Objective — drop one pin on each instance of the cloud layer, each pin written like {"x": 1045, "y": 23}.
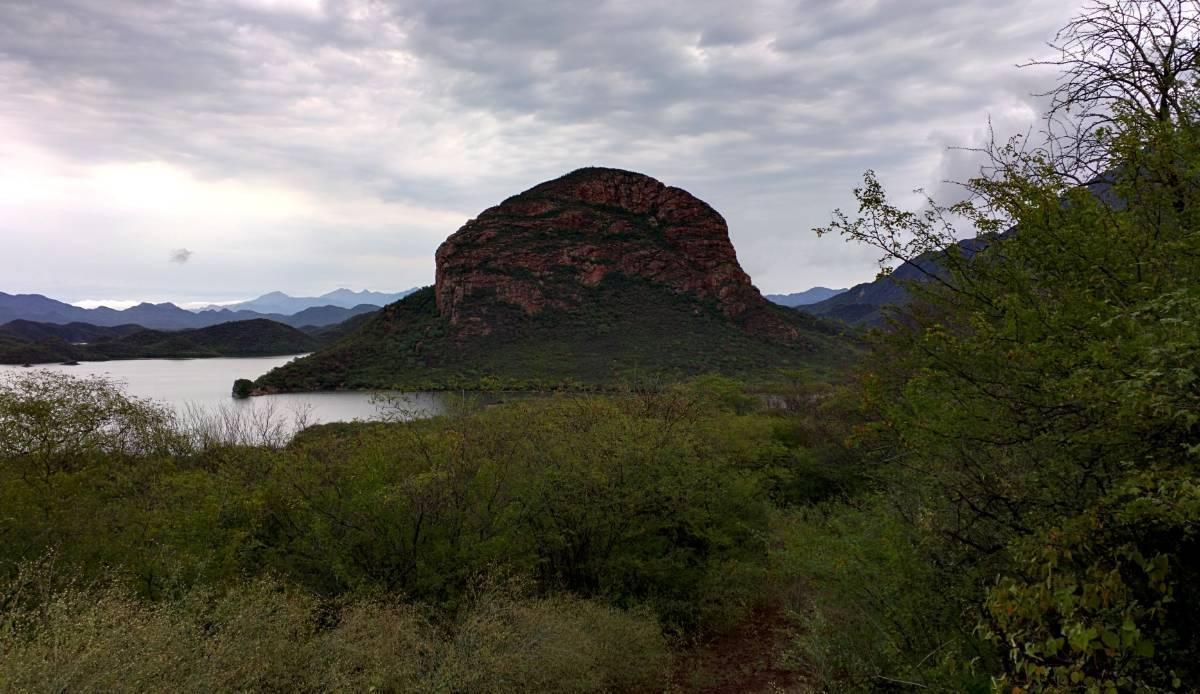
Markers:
{"x": 302, "y": 145}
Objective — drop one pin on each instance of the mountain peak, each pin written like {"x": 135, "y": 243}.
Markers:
{"x": 343, "y": 291}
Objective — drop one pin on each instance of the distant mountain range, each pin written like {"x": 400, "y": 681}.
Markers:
{"x": 278, "y": 302}
{"x": 804, "y": 298}
{"x": 296, "y": 312}
{"x": 866, "y": 304}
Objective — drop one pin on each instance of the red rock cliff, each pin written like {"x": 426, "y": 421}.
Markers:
{"x": 537, "y": 250}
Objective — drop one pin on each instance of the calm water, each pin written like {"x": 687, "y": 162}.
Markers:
{"x": 205, "y": 383}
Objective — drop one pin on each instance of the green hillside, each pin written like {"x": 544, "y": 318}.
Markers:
{"x": 252, "y": 338}
{"x": 625, "y": 330}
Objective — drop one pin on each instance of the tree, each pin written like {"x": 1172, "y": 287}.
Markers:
{"x": 1120, "y": 61}
{"x": 1035, "y": 404}
{"x": 52, "y": 423}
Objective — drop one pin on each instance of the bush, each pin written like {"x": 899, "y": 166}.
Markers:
{"x": 647, "y": 499}
{"x": 242, "y": 388}
{"x": 872, "y": 610}
{"x": 52, "y": 423}
{"x": 634, "y": 499}
{"x": 1106, "y": 601}
{"x": 262, "y": 636}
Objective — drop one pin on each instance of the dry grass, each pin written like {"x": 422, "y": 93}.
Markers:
{"x": 264, "y": 637}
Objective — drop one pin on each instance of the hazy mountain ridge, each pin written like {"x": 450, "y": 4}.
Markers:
{"x": 163, "y": 316}
{"x": 285, "y": 304}
{"x": 71, "y": 332}
{"x": 804, "y": 298}
{"x": 866, "y": 304}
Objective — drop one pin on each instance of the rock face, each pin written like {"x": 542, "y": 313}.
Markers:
{"x": 539, "y": 250}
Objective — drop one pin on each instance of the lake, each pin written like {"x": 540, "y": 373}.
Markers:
{"x": 188, "y": 384}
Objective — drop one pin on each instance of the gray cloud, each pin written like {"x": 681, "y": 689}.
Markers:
{"x": 181, "y": 255}
{"x": 398, "y": 118}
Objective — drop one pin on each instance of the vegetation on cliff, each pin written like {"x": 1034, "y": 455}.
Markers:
{"x": 623, "y": 331}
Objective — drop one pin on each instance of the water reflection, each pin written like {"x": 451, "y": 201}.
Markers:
{"x": 195, "y": 386}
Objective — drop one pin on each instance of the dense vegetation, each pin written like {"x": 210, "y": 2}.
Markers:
{"x": 1001, "y": 495}
{"x": 1032, "y": 415}
{"x": 552, "y": 543}
{"x": 23, "y": 342}
{"x": 625, "y": 330}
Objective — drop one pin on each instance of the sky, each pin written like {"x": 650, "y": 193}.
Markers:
{"x": 215, "y": 150}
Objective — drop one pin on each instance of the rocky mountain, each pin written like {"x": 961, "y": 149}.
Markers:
{"x": 164, "y": 316}
{"x": 284, "y": 304}
{"x": 594, "y": 277}
{"x": 28, "y": 342}
{"x": 804, "y": 298}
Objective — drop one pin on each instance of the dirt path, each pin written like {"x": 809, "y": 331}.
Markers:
{"x": 745, "y": 659}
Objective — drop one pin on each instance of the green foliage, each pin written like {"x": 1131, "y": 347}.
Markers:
{"x": 242, "y": 388}
{"x": 1105, "y": 602}
{"x": 725, "y": 392}
{"x": 872, "y": 612}
{"x": 629, "y": 500}
{"x": 543, "y": 545}
{"x": 1037, "y": 378}
{"x": 656, "y": 499}
{"x": 51, "y": 423}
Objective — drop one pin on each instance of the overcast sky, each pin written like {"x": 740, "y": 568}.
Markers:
{"x": 210, "y": 150}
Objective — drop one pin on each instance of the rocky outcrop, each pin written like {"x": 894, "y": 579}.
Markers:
{"x": 541, "y": 249}
{"x": 599, "y": 279}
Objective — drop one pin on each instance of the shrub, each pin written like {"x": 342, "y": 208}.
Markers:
{"x": 647, "y": 499}
{"x": 640, "y": 499}
{"x": 242, "y": 387}
{"x": 262, "y": 636}
{"x": 52, "y": 423}
{"x": 1105, "y": 601}
{"x": 872, "y": 610}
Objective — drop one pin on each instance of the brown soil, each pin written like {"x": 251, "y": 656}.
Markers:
{"x": 745, "y": 659}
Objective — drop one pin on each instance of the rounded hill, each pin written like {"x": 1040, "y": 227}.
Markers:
{"x": 541, "y": 250}
{"x": 595, "y": 277}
